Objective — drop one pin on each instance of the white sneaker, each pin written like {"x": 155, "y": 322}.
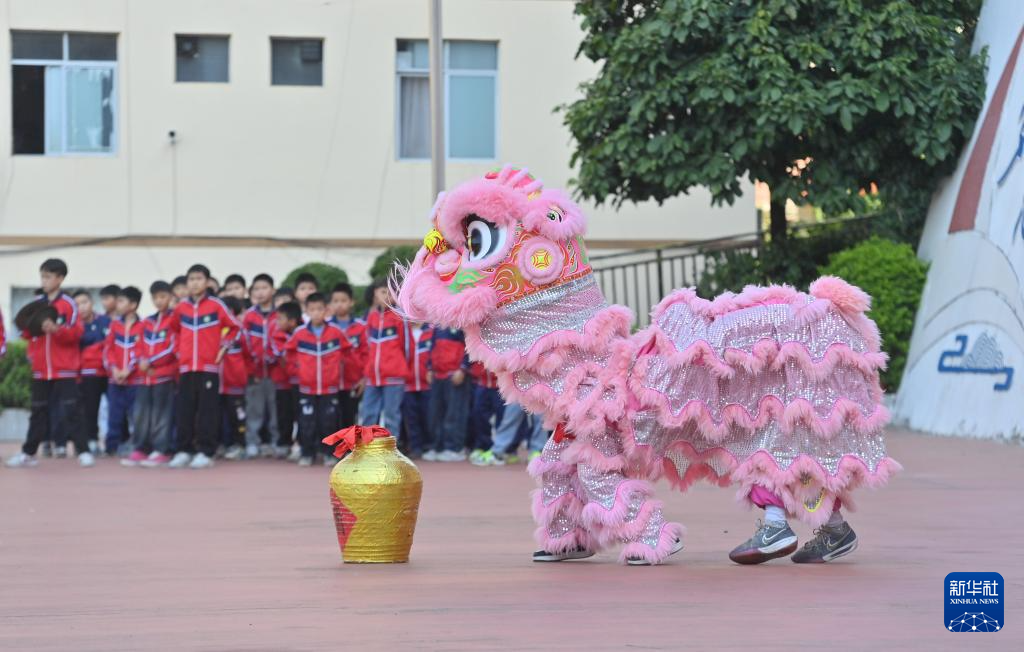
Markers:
{"x": 280, "y": 452}
{"x": 21, "y": 460}
{"x": 180, "y": 460}
{"x": 234, "y": 453}
{"x": 60, "y": 451}
{"x": 154, "y": 460}
{"x": 294, "y": 455}
{"x": 252, "y": 451}
{"x": 488, "y": 459}
{"x": 201, "y": 461}
{"x": 86, "y": 459}
{"x": 429, "y": 456}
{"x": 266, "y": 450}
{"x": 305, "y": 461}
{"x": 451, "y": 456}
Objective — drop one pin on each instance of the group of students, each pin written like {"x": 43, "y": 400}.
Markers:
{"x": 238, "y": 371}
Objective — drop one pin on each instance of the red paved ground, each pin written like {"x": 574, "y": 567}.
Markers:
{"x": 244, "y": 557}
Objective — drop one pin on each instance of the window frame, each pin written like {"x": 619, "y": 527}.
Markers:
{"x": 65, "y": 63}
{"x": 448, "y": 73}
{"x": 323, "y": 60}
{"x": 226, "y": 37}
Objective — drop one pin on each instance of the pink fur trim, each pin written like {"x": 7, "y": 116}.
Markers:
{"x": 670, "y": 533}
{"x": 424, "y": 297}
{"x": 572, "y": 223}
{"x": 845, "y": 297}
{"x": 595, "y": 514}
{"x": 577, "y": 538}
{"x": 843, "y": 412}
{"x": 490, "y": 199}
{"x": 545, "y": 514}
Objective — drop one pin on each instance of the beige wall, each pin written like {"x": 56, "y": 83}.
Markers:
{"x": 305, "y": 162}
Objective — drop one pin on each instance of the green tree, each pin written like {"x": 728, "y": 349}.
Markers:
{"x": 386, "y": 261}
{"x": 15, "y": 377}
{"x": 327, "y": 276}
{"x": 703, "y": 92}
{"x": 894, "y": 277}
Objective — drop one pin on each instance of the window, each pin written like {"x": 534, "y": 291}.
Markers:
{"x": 63, "y": 97}
{"x": 471, "y": 88}
{"x": 201, "y": 58}
{"x": 296, "y": 62}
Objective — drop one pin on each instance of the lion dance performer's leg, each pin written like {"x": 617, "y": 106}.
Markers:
{"x": 558, "y": 506}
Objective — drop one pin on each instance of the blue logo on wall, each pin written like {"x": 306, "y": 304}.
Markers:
{"x": 974, "y": 602}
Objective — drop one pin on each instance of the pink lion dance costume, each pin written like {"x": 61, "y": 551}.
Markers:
{"x": 772, "y": 389}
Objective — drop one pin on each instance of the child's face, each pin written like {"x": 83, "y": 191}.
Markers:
{"x": 84, "y": 302}
{"x": 281, "y": 300}
{"x": 49, "y": 281}
{"x": 303, "y": 290}
{"x": 197, "y": 284}
{"x": 284, "y": 323}
{"x": 381, "y": 296}
{"x": 316, "y": 311}
{"x": 261, "y": 292}
{"x": 234, "y": 289}
{"x": 341, "y": 305}
{"x": 161, "y": 300}
{"x": 180, "y": 290}
{"x": 125, "y": 306}
{"x": 109, "y": 303}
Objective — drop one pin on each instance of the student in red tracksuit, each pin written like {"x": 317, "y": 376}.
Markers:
{"x": 55, "y": 359}
{"x": 260, "y": 404}
{"x": 121, "y": 358}
{"x": 416, "y": 402}
{"x": 205, "y": 331}
{"x": 352, "y": 380}
{"x": 288, "y": 318}
{"x": 450, "y": 396}
{"x": 235, "y": 370}
{"x": 318, "y": 348}
{"x": 154, "y": 398}
{"x": 485, "y": 415}
{"x": 388, "y": 353}
{"x": 92, "y": 383}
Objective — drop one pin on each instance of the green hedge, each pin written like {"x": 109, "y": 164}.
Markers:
{"x": 894, "y": 277}
{"x": 327, "y": 276}
{"x": 15, "y": 377}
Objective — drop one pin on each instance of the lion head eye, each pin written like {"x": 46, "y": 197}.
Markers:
{"x": 555, "y": 214}
{"x": 483, "y": 238}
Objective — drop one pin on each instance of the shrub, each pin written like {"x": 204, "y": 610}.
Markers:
{"x": 327, "y": 276}
{"x": 15, "y": 377}
{"x": 894, "y": 277}
{"x": 386, "y": 261}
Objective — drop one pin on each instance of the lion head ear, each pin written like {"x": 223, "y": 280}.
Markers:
{"x": 554, "y": 215}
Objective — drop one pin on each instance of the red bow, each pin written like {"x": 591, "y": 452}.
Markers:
{"x": 561, "y": 433}
{"x": 347, "y": 439}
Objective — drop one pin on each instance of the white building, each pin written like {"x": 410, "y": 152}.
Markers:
{"x": 300, "y": 132}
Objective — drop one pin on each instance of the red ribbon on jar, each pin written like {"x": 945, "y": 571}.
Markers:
{"x": 347, "y": 439}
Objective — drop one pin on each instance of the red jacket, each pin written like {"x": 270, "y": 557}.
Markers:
{"x": 159, "y": 346}
{"x": 482, "y": 377}
{"x": 237, "y": 366}
{"x": 448, "y": 353}
{"x": 389, "y": 349}
{"x": 317, "y": 358}
{"x": 418, "y": 368}
{"x": 121, "y": 350}
{"x": 259, "y": 327}
{"x": 280, "y": 372}
{"x": 94, "y": 336}
{"x": 353, "y": 364}
{"x": 55, "y": 356}
{"x": 204, "y": 328}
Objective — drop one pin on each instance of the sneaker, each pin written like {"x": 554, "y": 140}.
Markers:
{"x": 154, "y": 460}
{"x": 280, "y": 452}
{"x": 294, "y": 455}
{"x": 86, "y": 459}
{"x": 829, "y": 543}
{"x": 200, "y": 461}
{"x": 476, "y": 456}
{"x": 180, "y": 460}
{"x": 640, "y": 561}
{"x": 252, "y": 451}
{"x": 533, "y": 455}
{"x": 47, "y": 449}
{"x": 451, "y": 456}
{"x": 234, "y": 453}
{"x": 266, "y": 450}
{"x": 21, "y": 460}
{"x": 94, "y": 447}
{"x": 430, "y": 456}
{"x": 566, "y": 555}
{"x": 771, "y": 540}
{"x": 512, "y": 459}
{"x": 330, "y": 461}
{"x": 60, "y": 451}
{"x": 136, "y": 458}
{"x": 488, "y": 459}
{"x": 305, "y": 461}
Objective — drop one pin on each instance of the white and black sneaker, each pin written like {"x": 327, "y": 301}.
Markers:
{"x": 829, "y": 543}
{"x": 565, "y": 555}
{"x": 640, "y": 561}
{"x": 770, "y": 541}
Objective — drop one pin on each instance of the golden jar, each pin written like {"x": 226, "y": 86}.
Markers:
{"x": 375, "y": 494}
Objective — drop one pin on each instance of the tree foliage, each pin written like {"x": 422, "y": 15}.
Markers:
{"x": 327, "y": 276}
{"x": 15, "y": 377}
{"x": 704, "y": 92}
{"x": 386, "y": 261}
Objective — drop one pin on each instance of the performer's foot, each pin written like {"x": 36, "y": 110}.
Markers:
{"x": 770, "y": 541}
{"x": 575, "y": 553}
{"x": 829, "y": 543}
{"x": 640, "y": 561}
